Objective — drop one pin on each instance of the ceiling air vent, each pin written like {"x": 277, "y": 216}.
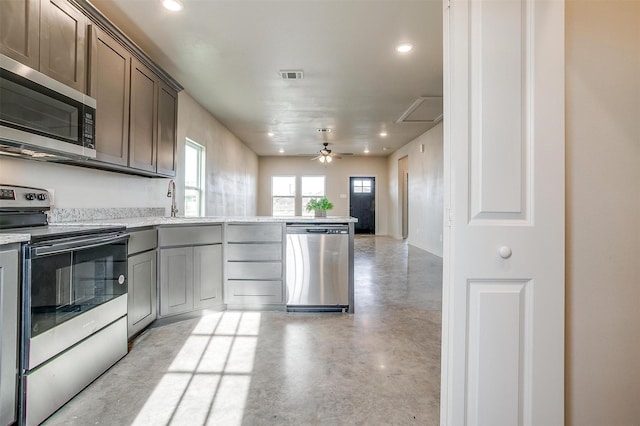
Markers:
{"x": 292, "y": 74}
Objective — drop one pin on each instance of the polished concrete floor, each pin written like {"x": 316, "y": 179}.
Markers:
{"x": 379, "y": 366}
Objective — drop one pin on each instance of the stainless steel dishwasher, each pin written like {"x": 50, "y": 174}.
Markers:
{"x": 317, "y": 265}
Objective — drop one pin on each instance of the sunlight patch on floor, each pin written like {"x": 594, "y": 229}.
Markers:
{"x": 208, "y": 381}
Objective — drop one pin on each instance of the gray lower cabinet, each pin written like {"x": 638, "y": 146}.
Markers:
{"x": 207, "y": 276}
{"x": 142, "y": 297}
{"x": 190, "y": 274}
{"x": 9, "y": 262}
{"x": 254, "y": 253}
{"x": 176, "y": 280}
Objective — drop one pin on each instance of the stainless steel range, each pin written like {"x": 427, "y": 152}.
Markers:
{"x": 74, "y": 302}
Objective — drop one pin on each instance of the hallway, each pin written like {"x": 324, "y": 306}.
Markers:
{"x": 378, "y": 366}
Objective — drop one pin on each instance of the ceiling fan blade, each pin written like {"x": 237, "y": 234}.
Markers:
{"x": 316, "y": 157}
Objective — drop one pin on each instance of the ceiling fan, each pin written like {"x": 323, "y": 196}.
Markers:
{"x": 325, "y": 154}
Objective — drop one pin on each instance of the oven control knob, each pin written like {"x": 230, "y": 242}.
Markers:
{"x": 30, "y": 196}
{"x": 42, "y": 197}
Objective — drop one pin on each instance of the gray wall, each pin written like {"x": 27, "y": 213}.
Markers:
{"x": 426, "y": 191}
{"x": 337, "y": 182}
{"x": 231, "y": 168}
{"x": 603, "y": 212}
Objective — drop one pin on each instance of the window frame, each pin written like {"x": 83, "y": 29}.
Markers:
{"x": 294, "y": 196}
{"x": 200, "y": 188}
{"x": 303, "y": 210}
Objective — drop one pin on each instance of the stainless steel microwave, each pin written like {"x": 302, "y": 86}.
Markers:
{"x": 43, "y": 118}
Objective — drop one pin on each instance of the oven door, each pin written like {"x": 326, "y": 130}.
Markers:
{"x": 74, "y": 287}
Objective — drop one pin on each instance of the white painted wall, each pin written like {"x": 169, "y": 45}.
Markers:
{"x": 231, "y": 168}
{"x": 337, "y": 181}
{"x": 426, "y": 191}
{"x": 603, "y": 212}
{"x": 78, "y": 187}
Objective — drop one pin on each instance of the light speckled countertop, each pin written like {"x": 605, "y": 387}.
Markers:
{"x": 141, "y": 222}
{"x": 13, "y": 238}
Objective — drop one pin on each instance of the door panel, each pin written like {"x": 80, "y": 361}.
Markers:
{"x": 362, "y": 203}
{"x": 503, "y": 300}
{"x": 109, "y": 85}
{"x": 142, "y": 142}
{"x": 63, "y": 43}
{"x": 167, "y": 119}
{"x": 20, "y": 31}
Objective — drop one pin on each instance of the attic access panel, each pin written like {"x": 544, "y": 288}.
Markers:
{"x": 426, "y": 109}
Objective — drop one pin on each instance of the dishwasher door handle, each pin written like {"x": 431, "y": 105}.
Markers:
{"x": 317, "y": 231}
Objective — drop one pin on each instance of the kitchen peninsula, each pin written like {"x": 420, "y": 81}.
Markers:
{"x": 180, "y": 266}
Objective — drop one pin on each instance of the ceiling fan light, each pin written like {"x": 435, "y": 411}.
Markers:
{"x": 322, "y": 159}
{"x": 328, "y": 159}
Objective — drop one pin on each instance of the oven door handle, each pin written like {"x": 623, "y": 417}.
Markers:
{"x": 83, "y": 244}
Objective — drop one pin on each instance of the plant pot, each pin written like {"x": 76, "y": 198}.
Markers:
{"x": 320, "y": 213}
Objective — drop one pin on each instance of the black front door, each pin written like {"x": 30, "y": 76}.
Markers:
{"x": 362, "y": 204}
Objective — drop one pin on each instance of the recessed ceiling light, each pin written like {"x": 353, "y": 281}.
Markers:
{"x": 404, "y": 47}
{"x": 383, "y": 134}
{"x": 173, "y": 5}
{"x": 270, "y": 134}
{"x": 281, "y": 151}
{"x": 366, "y": 150}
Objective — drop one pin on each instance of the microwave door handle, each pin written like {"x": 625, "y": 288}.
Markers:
{"x": 78, "y": 245}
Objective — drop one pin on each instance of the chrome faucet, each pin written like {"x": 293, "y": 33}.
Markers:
{"x": 171, "y": 193}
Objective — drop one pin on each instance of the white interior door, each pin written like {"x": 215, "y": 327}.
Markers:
{"x": 503, "y": 307}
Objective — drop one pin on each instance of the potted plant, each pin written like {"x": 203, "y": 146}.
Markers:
{"x": 319, "y": 207}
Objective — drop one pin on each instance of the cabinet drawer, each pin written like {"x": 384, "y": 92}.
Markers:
{"x": 264, "y": 251}
{"x": 254, "y": 233}
{"x": 254, "y": 292}
{"x": 140, "y": 241}
{"x": 254, "y": 270}
{"x": 190, "y": 235}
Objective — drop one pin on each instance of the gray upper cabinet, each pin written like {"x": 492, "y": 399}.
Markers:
{"x": 109, "y": 84}
{"x": 137, "y": 102}
{"x": 20, "y": 31}
{"x": 167, "y": 126}
{"x": 143, "y": 131}
{"x": 46, "y": 35}
{"x": 63, "y": 33}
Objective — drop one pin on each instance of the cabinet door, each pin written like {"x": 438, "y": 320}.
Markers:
{"x": 176, "y": 280}
{"x": 207, "y": 280}
{"x": 167, "y": 121}
{"x": 63, "y": 32}
{"x": 142, "y": 291}
{"x": 8, "y": 334}
{"x": 143, "y": 136}
{"x": 109, "y": 84}
{"x": 20, "y": 31}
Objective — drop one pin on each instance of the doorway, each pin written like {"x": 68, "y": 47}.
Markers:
{"x": 403, "y": 190}
{"x": 362, "y": 203}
